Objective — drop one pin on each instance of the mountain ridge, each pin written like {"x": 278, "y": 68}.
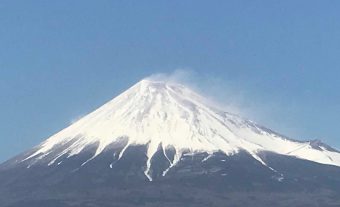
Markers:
{"x": 167, "y": 114}
{"x": 195, "y": 154}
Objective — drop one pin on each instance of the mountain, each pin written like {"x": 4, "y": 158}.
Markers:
{"x": 162, "y": 144}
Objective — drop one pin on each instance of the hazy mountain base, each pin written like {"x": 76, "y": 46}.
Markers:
{"x": 167, "y": 196}
{"x": 221, "y": 180}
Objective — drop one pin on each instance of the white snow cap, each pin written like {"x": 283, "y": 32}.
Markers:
{"x": 167, "y": 114}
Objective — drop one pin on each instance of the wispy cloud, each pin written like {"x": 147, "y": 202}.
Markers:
{"x": 232, "y": 95}
{"x": 225, "y": 94}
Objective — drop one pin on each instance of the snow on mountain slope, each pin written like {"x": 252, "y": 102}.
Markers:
{"x": 156, "y": 113}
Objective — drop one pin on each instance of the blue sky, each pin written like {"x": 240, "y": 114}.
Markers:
{"x": 278, "y": 61}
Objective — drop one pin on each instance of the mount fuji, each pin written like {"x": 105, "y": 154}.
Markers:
{"x": 161, "y": 144}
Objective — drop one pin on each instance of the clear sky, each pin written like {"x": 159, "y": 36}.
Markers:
{"x": 278, "y": 60}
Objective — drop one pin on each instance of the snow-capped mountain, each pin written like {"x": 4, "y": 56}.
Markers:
{"x": 156, "y": 113}
{"x": 166, "y": 133}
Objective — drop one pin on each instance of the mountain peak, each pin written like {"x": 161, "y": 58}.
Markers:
{"x": 160, "y": 86}
{"x": 170, "y": 115}
{"x": 148, "y": 83}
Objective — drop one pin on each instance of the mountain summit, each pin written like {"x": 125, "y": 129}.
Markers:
{"x": 164, "y": 132}
{"x": 169, "y": 115}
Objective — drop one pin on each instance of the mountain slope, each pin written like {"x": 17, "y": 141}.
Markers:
{"x": 194, "y": 153}
{"x": 171, "y": 116}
